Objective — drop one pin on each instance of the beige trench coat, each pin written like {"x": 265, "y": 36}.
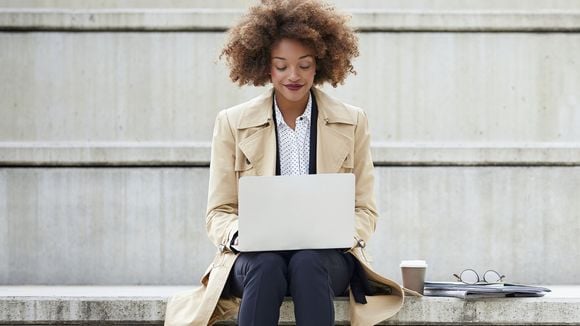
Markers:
{"x": 244, "y": 143}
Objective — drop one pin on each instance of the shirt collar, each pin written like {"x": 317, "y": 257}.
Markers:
{"x": 306, "y": 115}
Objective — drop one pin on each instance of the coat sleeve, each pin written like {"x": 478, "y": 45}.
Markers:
{"x": 365, "y": 205}
{"x": 222, "y": 202}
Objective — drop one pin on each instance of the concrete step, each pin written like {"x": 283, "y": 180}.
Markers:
{"x": 132, "y": 305}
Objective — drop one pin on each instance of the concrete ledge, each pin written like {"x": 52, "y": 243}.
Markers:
{"x": 198, "y": 154}
{"x": 105, "y": 153}
{"x": 221, "y": 19}
{"x": 469, "y": 154}
{"x": 146, "y": 305}
{"x": 466, "y": 21}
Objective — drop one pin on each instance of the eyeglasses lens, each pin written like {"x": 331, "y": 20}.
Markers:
{"x": 492, "y": 277}
{"x": 469, "y": 276}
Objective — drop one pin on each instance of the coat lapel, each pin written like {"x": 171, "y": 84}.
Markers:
{"x": 335, "y": 140}
{"x": 257, "y": 138}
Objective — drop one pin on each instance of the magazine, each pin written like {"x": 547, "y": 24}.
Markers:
{"x": 482, "y": 290}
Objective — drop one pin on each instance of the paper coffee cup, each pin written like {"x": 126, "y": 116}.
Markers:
{"x": 413, "y": 272}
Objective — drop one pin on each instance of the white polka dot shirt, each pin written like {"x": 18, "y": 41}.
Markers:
{"x": 294, "y": 144}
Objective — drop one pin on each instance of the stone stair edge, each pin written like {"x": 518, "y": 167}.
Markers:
{"x": 146, "y": 304}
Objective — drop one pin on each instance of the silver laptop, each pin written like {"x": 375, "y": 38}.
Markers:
{"x": 296, "y": 212}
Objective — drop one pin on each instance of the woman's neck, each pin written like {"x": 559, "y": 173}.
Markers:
{"x": 291, "y": 109}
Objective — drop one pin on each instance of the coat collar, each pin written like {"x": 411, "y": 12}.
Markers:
{"x": 332, "y": 110}
{"x": 259, "y": 110}
{"x": 334, "y": 136}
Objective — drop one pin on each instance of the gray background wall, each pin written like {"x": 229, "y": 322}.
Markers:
{"x": 106, "y": 111}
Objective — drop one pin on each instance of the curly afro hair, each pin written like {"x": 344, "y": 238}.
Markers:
{"x": 314, "y": 23}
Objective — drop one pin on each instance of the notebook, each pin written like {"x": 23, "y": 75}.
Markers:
{"x": 296, "y": 212}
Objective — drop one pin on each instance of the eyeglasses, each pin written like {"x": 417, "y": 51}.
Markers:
{"x": 469, "y": 276}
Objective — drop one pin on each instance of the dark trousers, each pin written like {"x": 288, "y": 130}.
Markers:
{"x": 311, "y": 277}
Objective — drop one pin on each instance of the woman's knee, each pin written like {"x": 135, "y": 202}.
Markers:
{"x": 264, "y": 262}
{"x": 266, "y": 270}
{"x": 305, "y": 261}
{"x": 321, "y": 268}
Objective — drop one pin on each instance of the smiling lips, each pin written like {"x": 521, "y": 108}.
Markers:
{"x": 293, "y": 87}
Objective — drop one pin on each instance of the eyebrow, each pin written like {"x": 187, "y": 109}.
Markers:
{"x": 302, "y": 57}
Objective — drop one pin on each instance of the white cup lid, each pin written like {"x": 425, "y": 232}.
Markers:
{"x": 413, "y": 263}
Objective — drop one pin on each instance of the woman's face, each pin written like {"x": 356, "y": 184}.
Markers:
{"x": 292, "y": 70}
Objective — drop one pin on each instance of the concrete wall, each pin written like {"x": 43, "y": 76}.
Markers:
{"x": 106, "y": 117}
{"x": 359, "y": 4}
{"x": 146, "y": 225}
{"x": 416, "y": 87}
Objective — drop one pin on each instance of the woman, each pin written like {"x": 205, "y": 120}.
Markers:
{"x": 294, "y": 128}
